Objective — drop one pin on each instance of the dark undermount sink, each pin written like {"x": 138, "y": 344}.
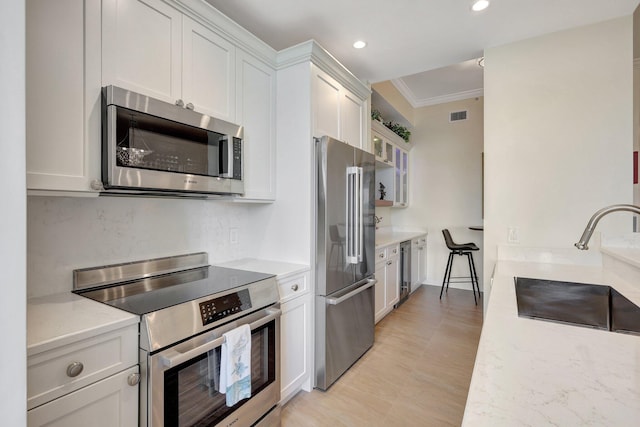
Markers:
{"x": 581, "y": 304}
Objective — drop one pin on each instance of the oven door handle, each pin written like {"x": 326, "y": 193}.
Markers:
{"x": 173, "y": 358}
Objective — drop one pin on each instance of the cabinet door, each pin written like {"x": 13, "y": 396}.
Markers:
{"x": 401, "y": 179}
{"x": 141, "y": 42}
{"x": 326, "y": 105}
{"x": 63, "y": 98}
{"x": 208, "y": 71}
{"x": 415, "y": 264}
{"x": 380, "y": 297}
{"x": 295, "y": 345}
{"x": 392, "y": 279}
{"x": 352, "y": 119}
{"x": 107, "y": 403}
{"x": 256, "y": 98}
{"x": 422, "y": 272}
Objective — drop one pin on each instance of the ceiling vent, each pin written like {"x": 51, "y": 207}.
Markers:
{"x": 457, "y": 116}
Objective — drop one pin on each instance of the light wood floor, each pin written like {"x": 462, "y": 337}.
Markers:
{"x": 416, "y": 374}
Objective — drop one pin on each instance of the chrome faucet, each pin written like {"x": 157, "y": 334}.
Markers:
{"x": 591, "y": 225}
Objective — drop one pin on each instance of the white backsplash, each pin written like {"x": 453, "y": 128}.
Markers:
{"x": 64, "y": 234}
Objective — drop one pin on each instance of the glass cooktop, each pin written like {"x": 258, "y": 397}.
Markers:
{"x": 156, "y": 293}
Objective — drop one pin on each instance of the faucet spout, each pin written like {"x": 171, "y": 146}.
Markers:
{"x": 591, "y": 225}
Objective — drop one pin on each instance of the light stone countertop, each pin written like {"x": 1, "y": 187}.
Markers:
{"x": 388, "y": 236}
{"x": 532, "y": 372}
{"x": 279, "y": 268}
{"x": 64, "y": 318}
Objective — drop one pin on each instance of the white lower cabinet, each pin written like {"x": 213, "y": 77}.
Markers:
{"x": 295, "y": 335}
{"x": 387, "y": 273}
{"x": 418, "y": 261}
{"x": 92, "y": 382}
{"x": 106, "y": 403}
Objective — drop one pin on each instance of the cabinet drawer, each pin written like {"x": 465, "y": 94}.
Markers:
{"x": 292, "y": 286}
{"x": 56, "y": 372}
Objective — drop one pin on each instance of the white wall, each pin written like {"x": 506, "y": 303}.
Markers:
{"x": 13, "y": 371}
{"x": 558, "y": 135}
{"x": 69, "y": 233}
{"x": 446, "y": 183}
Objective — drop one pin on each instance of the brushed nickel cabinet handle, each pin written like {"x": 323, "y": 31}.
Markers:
{"x": 294, "y": 287}
{"x": 133, "y": 379}
{"x": 74, "y": 369}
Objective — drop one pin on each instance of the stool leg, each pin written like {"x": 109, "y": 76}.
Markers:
{"x": 475, "y": 274}
{"x": 447, "y": 271}
{"x": 471, "y": 276}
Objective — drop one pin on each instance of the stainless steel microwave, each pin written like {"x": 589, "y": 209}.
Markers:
{"x": 151, "y": 147}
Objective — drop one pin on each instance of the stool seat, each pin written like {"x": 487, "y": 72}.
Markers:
{"x": 464, "y": 249}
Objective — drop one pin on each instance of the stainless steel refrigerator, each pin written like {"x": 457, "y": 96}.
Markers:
{"x": 345, "y": 264}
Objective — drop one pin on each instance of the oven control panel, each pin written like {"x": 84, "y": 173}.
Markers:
{"x": 221, "y": 307}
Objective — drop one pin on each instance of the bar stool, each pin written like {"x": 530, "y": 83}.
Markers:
{"x": 465, "y": 249}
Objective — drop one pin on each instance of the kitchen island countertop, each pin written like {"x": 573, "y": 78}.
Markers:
{"x": 531, "y": 372}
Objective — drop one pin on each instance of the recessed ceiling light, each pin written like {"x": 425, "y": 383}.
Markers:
{"x": 480, "y": 5}
{"x": 359, "y": 44}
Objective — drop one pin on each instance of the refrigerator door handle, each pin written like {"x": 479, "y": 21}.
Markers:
{"x": 335, "y": 301}
{"x": 354, "y": 215}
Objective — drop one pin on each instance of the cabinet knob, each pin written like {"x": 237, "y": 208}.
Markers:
{"x": 74, "y": 369}
{"x": 133, "y": 379}
{"x": 294, "y": 287}
{"x": 381, "y": 255}
{"x": 190, "y": 106}
{"x": 96, "y": 185}
{"x": 395, "y": 251}
{"x": 389, "y": 262}
{"x": 180, "y": 103}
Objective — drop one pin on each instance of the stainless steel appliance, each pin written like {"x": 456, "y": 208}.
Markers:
{"x": 153, "y": 147}
{"x": 345, "y": 245}
{"x": 405, "y": 271}
{"x": 186, "y": 306}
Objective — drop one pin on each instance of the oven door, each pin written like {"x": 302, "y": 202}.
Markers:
{"x": 182, "y": 385}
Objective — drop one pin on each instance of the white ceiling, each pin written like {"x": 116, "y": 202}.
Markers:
{"x": 405, "y": 38}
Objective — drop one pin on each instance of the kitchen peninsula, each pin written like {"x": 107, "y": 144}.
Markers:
{"x": 534, "y": 372}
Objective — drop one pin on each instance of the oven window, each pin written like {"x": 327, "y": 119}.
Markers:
{"x": 191, "y": 395}
{"x": 144, "y": 141}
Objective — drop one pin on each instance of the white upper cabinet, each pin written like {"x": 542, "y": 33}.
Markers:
{"x": 63, "y": 106}
{"x": 256, "y": 99}
{"x": 152, "y": 48}
{"x": 208, "y": 71}
{"x": 337, "y": 112}
{"x": 142, "y": 45}
{"x": 326, "y": 106}
{"x": 352, "y": 119}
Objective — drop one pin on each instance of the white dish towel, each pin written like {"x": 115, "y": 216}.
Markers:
{"x": 235, "y": 365}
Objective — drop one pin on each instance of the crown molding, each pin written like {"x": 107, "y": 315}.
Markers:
{"x": 311, "y": 51}
{"x": 435, "y": 100}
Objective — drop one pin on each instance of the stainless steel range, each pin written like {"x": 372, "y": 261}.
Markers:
{"x": 186, "y": 306}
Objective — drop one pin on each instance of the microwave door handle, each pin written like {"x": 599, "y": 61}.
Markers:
{"x": 226, "y": 157}
{"x": 173, "y": 358}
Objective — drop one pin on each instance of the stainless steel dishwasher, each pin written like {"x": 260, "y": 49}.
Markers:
{"x": 405, "y": 271}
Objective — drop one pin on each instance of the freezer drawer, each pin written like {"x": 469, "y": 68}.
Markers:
{"x": 344, "y": 330}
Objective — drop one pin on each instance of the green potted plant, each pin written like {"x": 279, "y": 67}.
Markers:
{"x": 375, "y": 115}
{"x": 399, "y": 130}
